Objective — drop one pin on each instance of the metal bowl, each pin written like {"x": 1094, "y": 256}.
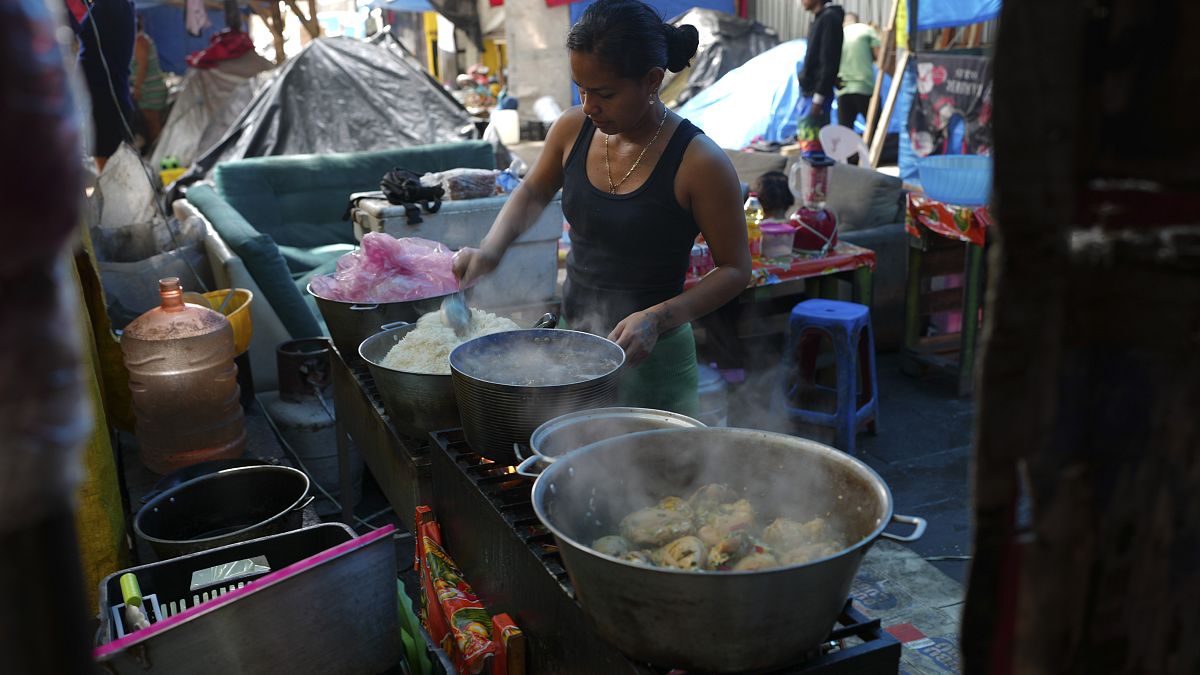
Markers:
{"x": 508, "y": 384}
{"x": 350, "y": 323}
{"x": 713, "y": 621}
{"x": 416, "y": 403}
{"x": 575, "y": 430}
{"x": 223, "y": 508}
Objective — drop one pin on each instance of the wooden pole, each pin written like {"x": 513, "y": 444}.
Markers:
{"x": 1084, "y": 468}
{"x": 885, "y": 47}
{"x": 310, "y": 23}
{"x": 888, "y": 107}
{"x": 277, "y": 26}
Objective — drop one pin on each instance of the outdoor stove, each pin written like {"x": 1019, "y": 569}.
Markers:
{"x": 486, "y": 515}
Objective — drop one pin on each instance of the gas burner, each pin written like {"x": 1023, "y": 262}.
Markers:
{"x": 487, "y": 518}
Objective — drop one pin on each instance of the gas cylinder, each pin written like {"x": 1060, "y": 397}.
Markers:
{"x": 184, "y": 383}
{"x": 303, "y": 412}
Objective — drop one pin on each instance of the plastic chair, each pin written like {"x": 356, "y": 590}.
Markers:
{"x": 848, "y": 326}
{"x": 841, "y": 143}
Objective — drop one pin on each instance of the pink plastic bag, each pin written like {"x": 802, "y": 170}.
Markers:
{"x": 386, "y": 269}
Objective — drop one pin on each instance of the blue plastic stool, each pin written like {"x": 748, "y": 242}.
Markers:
{"x": 848, "y": 326}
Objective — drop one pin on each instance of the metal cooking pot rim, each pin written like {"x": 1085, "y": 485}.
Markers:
{"x": 539, "y": 435}
{"x": 539, "y": 490}
{"x": 313, "y": 293}
{"x": 378, "y": 364}
{"x": 137, "y": 520}
{"x": 552, "y": 331}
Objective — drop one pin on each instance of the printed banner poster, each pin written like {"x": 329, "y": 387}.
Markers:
{"x": 952, "y": 111}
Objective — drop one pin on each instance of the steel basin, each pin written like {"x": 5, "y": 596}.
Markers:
{"x": 496, "y": 414}
{"x": 350, "y": 323}
{"x": 712, "y": 621}
{"x": 574, "y": 430}
{"x": 416, "y": 403}
{"x": 225, "y": 507}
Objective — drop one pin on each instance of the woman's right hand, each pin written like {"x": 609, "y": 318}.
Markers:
{"x": 472, "y": 263}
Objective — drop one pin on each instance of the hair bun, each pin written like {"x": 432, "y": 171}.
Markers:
{"x": 681, "y": 45}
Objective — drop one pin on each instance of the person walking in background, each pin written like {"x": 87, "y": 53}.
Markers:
{"x": 818, "y": 75}
{"x": 106, "y": 30}
{"x": 856, "y": 77}
{"x": 149, "y": 87}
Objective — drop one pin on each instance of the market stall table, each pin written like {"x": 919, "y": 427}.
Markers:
{"x": 807, "y": 273}
{"x": 938, "y": 235}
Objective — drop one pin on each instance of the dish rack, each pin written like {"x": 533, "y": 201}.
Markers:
{"x": 249, "y": 607}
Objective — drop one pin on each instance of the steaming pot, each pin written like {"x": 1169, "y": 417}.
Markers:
{"x": 507, "y": 384}
{"x": 730, "y": 621}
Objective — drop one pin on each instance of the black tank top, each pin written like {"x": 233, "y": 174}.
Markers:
{"x": 630, "y": 251}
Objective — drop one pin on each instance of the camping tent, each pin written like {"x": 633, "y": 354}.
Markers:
{"x": 757, "y": 99}
{"x": 341, "y": 95}
{"x": 208, "y": 102}
{"x": 726, "y": 42}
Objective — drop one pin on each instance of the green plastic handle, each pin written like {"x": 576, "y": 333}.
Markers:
{"x": 130, "y": 590}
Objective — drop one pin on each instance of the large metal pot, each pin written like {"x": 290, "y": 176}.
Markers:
{"x": 416, "y": 403}
{"x": 350, "y": 323}
{"x": 574, "y": 430}
{"x": 712, "y": 621}
{"x": 222, "y": 508}
{"x": 508, "y": 384}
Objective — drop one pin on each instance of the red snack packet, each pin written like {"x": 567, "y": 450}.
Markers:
{"x": 511, "y": 658}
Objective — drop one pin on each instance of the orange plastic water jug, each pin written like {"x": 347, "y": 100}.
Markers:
{"x": 184, "y": 383}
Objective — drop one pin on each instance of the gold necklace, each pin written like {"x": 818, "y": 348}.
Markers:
{"x": 612, "y": 189}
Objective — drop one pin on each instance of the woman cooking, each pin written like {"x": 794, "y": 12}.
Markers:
{"x": 639, "y": 183}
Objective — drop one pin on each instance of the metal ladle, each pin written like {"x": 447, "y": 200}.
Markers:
{"x": 457, "y": 314}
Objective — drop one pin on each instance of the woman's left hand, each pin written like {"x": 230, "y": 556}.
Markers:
{"x": 636, "y": 334}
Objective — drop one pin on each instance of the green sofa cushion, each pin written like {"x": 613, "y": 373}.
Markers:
{"x": 262, "y": 258}
{"x": 299, "y": 199}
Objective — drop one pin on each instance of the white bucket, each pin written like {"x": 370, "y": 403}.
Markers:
{"x": 508, "y": 125}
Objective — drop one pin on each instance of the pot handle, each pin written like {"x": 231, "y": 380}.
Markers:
{"x": 548, "y": 320}
{"x": 918, "y": 524}
{"x": 528, "y": 463}
{"x": 305, "y": 503}
{"x": 395, "y": 324}
{"x": 363, "y": 308}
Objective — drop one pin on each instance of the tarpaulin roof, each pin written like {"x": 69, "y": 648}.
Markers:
{"x": 726, "y": 42}
{"x": 932, "y": 14}
{"x": 342, "y": 95}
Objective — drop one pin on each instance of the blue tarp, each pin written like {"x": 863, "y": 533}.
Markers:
{"x": 758, "y": 99}
{"x": 164, "y": 25}
{"x": 932, "y": 14}
{"x": 766, "y": 84}
{"x": 403, "y": 5}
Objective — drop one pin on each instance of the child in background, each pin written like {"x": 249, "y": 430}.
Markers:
{"x": 774, "y": 195}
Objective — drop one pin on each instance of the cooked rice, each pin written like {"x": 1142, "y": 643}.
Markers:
{"x": 426, "y": 349}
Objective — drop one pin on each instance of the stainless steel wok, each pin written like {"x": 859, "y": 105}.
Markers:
{"x": 712, "y": 621}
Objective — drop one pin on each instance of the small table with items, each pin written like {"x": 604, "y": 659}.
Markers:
{"x": 945, "y": 240}
{"x": 807, "y": 273}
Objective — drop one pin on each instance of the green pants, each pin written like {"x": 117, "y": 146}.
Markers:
{"x": 667, "y": 379}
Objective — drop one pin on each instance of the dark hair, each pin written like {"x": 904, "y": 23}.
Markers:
{"x": 630, "y": 36}
{"x": 773, "y": 192}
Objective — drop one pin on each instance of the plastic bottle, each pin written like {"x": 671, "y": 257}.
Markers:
{"x": 184, "y": 383}
{"x": 754, "y": 216}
